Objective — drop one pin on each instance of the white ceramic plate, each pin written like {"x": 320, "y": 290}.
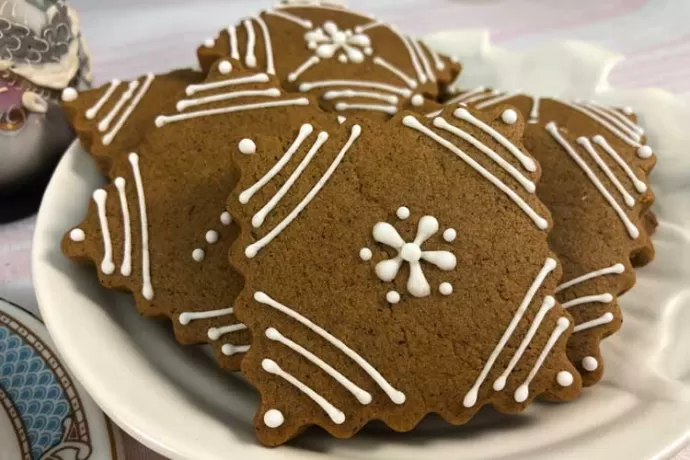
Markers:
{"x": 174, "y": 400}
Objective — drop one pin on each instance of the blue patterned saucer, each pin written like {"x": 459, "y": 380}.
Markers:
{"x": 44, "y": 413}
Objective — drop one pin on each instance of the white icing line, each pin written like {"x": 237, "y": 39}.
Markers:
{"x": 496, "y": 100}
{"x": 126, "y": 267}
{"x": 526, "y": 161}
{"x": 389, "y": 109}
{"x": 423, "y": 57}
{"x": 304, "y": 132}
{"x": 539, "y": 221}
{"x": 438, "y": 62}
{"x": 186, "y": 103}
{"x": 421, "y": 77}
{"x": 93, "y": 111}
{"x": 362, "y": 396}
{"x": 522, "y": 392}
{"x": 630, "y": 227}
{"x": 471, "y": 397}
{"x": 482, "y": 96}
{"x": 628, "y": 198}
{"x": 434, "y": 114}
{"x": 308, "y": 86}
{"x": 147, "y": 288}
{"x": 234, "y": 49}
{"x": 534, "y": 113}
{"x": 631, "y": 132}
{"x": 250, "y": 58}
{"x": 409, "y": 81}
{"x": 624, "y": 137}
{"x": 260, "y": 216}
{"x": 306, "y": 65}
{"x": 258, "y": 78}
{"x": 614, "y": 269}
{"x": 640, "y": 186}
{"x": 124, "y": 97}
{"x": 108, "y": 138}
{"x": 163, "y": 120}
{"x": 371, "y": 25}
{"x": 468, "y": 94}
{"x": 546, "y": 306}
{"x": 603, "y": 319}
{"x": 254, "y": 248}
{"x": 291, "y": 17}
{"x": 395, "y": 395}
{"x": 188, "y": 316}
{"x": 335, "y": 414}
{"x": 517, "y": 175}
{"x": 335, "y": 94}
{"x": 107, "y": 266}
{"x": 270, "y": 66}
{"x": 216, "y": 333}
{"x": 230, "y": 350}
{"x": 636, "y": 128}
{"x": 319, "y": 5}
{"x": 599, "y": 298}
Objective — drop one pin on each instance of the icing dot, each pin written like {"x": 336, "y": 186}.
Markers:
{"x": 69, "y": 94}
{"x": 342, "y": 58}
{"x": 564, "y": 378}
{"x": 445, "y": 288}
{"x": 211, "y": 236}
{"x": 449, "y": 235}
{"x": 402, "y": 213}
{"x": 274, "y": 418}
{"x": 341, "y": 119}
{"x": 77, "y": 235}
{"x": 198, "y": 255}
{"x": 590, "y": 364}
{"x": 209, "y": 42}
{"x": 393, "y": 297}
{"x": 417, "y": 100}
{"x": 644, "y": 152}
{"x": 225, "y": 218}
{"x": 509, "y": 117}
{"x": 368, "y": 51}
{"x": 229, "y": 350}
{"x": 247, "y": 146}
{"x": 522, "y": 393}
{"x": 365, "y": 254}
{"x": 225, "y": 67}
{"x": 628, "y": 110}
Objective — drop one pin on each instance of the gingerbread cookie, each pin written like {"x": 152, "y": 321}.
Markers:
{"x": 352, "y": 62}
{"x": 595, "y": 164}
{"x": 397, "y": 269}
{"x": 161, "y": 230}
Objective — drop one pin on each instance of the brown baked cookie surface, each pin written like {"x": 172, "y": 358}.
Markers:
{"x": 352, "y": 62}
{"x": 161, "y": 230}
{"x": 595, "y": 165}
{"x": 397, "y": 269}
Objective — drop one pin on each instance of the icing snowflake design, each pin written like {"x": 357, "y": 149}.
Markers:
{"x": 326, "y": 41}
{"x": 412, "y": 253}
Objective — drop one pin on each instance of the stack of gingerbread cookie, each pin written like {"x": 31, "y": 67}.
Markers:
{"x": 360, "y": 240}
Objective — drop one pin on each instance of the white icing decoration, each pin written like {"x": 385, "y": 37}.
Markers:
{"x": 226, "y": 218}
{"x": 93, "y": 111}
{"x": 335, "y": 414}
{"x": 124, "y": 97}
{"x": 640, "y": 186}
{"x": 304, "y": 132}
{"x": 644, "y": 152}
{"x": 371, "y": 25}
{"x": 273, "y": 418}
{"x": 424, "y": 60}
{"x": 209, "y": 43}
{"x": 259, "y": 218}
{"x": 77, "y": 235}
{"x": 470, "y": 398}
{"x": 614, "y": 269}
{"x": 198, "y": 255}
{"x": 534, "y": 113}
{"x": 402, "y": 213}
{"x": 341, "y": 119}
{"x": 600, "y": 298}
{"x": 330, "y": 39}
{"x": 69, "y": 94}
{"x": 623, "y": 136}
{"x": 396, "y": 396}
{"x": 291, "y": 17}
{"x": 230, "y": 350}
{"x": 225, "y": 67}
{"x": 365, "y": 254}
{"x": 522, "y": 392}
{"x": 495, "y": 100}
{"x": 417, "y": 100}
{"x": 509, "y": 116}
{"x": 147, "y": 288}
{"x": 107, "y": 266}
{"x": 482, "y": 96}
{"x": 163, "y": 120}
{"x": 270, "y": 66}
{"x": 630, "y": 227}
{"x": 632, "y": 130}
{"x": 590, "y": 363}
{"x": 108, "y": 138}
{"x": 185, "y": 103}
{"x": 421, "y": 77}
{"x": 254, "y": 248}
{"x": 216, "y": 333}
{"x": 412, "y": 253}
{"x": 126, "y": 267}
{"x": 306, "y": 65}
{"x": 526, "y": 161}
{"x": 308, "y": 86}
{"x": 342, "y": 58}
{"x": 257, "y": 78}
{"x": 510, "y": 169}
{"x": 628, "y": 111}
{"x": 466, "y": 95}
{"x": 389, "y": 109}
{"x": 434, "y": 114}
{"x": 232, "y": 37}
{"x": 250, "y": 58}
{"x": 450, "y": 234}
{"x": 589, "y": 148}
{"x": 546, "y": 306}
{"x": 211, "y": 237}
{"x": 539, "y": 221}
{"x": 187, "y": 317}
{"x": 445, "y": 289}
{"x": 603, "y": 319}
{"x": 362, "y": 396}
{"x": 409, "y": 81}
{"x": 391, "y": 99}
{"x": 392, "y": 297}
{"x": 438, "y": 62}
{"x": 564, "y": 378}
{"x": 247, "y": 146}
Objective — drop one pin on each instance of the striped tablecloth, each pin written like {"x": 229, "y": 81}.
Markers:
{"x": 130, "y": 37}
